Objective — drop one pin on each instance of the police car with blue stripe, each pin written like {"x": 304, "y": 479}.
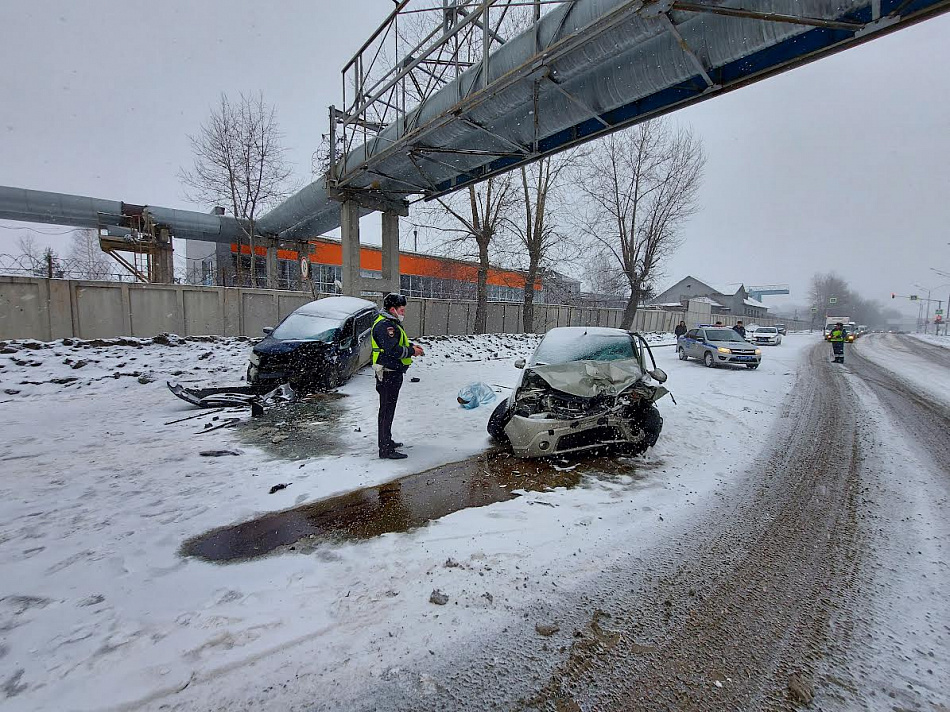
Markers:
{"x": 718, "y": 346}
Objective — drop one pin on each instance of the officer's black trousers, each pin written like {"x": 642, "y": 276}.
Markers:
{"x": 388, "y": 390}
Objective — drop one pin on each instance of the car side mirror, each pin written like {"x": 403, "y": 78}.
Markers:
{"x": 268, "y": 329}
{"x": 658, "y": 375}
{"x": 520, "y": 363}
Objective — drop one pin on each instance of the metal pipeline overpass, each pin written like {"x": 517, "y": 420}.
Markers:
{"x": 440, "y": 118}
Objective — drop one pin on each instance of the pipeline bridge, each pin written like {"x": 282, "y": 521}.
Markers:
{"x": 447, "y": 93}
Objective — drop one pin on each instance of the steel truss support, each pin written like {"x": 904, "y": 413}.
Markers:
{"x": 586, "y": 107}
{"x": 766, "y": 16}
{"x": 697, "y": 62}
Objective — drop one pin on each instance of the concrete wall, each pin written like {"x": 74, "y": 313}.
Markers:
{"x": 47, "y": 309}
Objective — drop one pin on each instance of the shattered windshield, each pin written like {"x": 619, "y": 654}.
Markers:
{"x": 563, "y": 348}
{"x": 301, "y": 327}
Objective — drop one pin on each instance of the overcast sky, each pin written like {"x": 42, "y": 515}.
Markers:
{"x": 838, "y": 165}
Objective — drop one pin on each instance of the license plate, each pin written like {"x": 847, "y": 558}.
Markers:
{"x": 744, "y": 358}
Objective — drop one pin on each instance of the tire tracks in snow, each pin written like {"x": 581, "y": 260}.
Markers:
{"x": 731, "y": 611}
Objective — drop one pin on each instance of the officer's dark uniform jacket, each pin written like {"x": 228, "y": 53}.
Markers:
{"x": 391, "y": 347}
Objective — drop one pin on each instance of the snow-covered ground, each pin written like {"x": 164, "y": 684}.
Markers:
{"x": 920, "y": 370}
{"x": 98, "y": 609}
{"x": 942, "y": 340}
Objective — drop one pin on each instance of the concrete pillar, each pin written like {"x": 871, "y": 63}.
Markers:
{"x": 391, "y": 251}
{"x": 271, "y": 264}
{"x": 163, "y": 269}
{"x": 350, "y": 237}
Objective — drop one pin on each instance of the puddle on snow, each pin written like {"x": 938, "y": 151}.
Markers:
{"x": 308, "y": 428}
{"x": 404, "y": 504}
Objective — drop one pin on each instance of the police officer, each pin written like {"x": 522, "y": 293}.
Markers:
{"x": 836, "y": 337}
{"x": 392, "y": 355}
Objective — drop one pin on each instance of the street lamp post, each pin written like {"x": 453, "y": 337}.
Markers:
{"x": 946, "y": 321}
{"x": 920, "y": 308}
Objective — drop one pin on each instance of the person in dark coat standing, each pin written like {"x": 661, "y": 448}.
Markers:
{"x": 392, "y": 355}
{"x": 739, "y": 329}
{"x": 680, "y": 329}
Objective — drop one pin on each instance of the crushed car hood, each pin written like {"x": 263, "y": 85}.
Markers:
{"x": 591, "y": 378}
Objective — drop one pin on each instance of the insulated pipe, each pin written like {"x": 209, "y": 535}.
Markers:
{"x": 80, "y": 211}
{"x": 55, "y": 208}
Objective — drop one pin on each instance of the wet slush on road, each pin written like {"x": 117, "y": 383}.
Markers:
{"x": 406, "y": 503}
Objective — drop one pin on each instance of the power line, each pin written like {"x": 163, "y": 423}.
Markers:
{"x": 49, "y": 234}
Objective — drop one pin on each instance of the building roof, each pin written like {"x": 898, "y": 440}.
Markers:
{"x": 755, "y": 303}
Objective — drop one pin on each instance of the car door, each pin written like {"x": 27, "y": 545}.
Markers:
{"x": 691, "y": 344}
{"x": 364, "y": 335}
{"x": 702, "y": 345}
{"x": 348, "y": 347}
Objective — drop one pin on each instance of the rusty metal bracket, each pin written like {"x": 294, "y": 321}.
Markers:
{"x": 371, "y": 200}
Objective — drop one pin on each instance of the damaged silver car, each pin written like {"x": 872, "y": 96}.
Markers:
{"x": 583, "y": 388}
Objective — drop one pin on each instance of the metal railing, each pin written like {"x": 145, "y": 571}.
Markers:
{"x": 420, "y": 48}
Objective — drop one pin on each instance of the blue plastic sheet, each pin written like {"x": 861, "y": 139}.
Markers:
{"x": 474, "y": 394}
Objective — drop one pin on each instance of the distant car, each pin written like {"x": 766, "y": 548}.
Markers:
{"x": 718, "y": 346}
{"x": 317, "y": 347}
{"x": 583, "y": 388}
{"x": 782, "y": 329}
{"x": 766, "y": 335}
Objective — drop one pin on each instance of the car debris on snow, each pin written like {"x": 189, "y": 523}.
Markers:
{"x": 546, "y": 629}
{"x": 218, "y": 453}
{"x": 279, "y": 487}
{"x": 438, "y": 598}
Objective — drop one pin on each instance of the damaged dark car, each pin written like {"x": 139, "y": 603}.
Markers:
{"x": 583, "y": 388}
{"x": 317, "y": 347}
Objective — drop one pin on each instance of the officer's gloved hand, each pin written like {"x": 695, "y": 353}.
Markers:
{"x": 417, "y": 351}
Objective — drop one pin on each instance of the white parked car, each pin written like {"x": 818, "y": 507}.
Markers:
{"x": 766, "y": 335}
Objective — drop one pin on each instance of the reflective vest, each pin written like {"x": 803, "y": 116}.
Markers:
{"x": 836, "y": 335}
{"x": 403, "y": 341}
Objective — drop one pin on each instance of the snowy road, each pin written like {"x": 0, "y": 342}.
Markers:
{"x": 787, "y": 536}
{"x": 820, "y": 574}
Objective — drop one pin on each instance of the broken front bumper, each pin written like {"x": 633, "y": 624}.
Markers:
{"x": 538, "y": 437}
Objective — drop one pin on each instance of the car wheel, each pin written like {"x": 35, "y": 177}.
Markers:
{"x": 497, "y": 422}
{"x": 752, "y": 366}
{"x": 650, "y": 422}
{"x": 682, "y": 354}
{"x": 708, "y": 359}
{"x": 332, "y": 379}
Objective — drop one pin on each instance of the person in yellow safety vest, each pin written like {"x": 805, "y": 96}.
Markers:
{"x": 837, "y": 337}
{"x": 392, "y": 355}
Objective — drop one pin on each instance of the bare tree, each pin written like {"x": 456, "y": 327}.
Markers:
{"x": 536, "y": 233}
{"x": 639, "y": 187}
{"x": 31, "y": 255}
{"x": 240, "y": 163}
{"x": 86, "y": 258}
{"x": 474, "y": 226}
{"x": 604, "y": 275}
{"x": 36, "y": 260}
{"x": 824, "y": 288}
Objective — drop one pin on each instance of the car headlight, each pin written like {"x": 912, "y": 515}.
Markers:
{"x": 255, "y": 359}
{"x": 758, "y": 352}
{"x": 724, "y": 350}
